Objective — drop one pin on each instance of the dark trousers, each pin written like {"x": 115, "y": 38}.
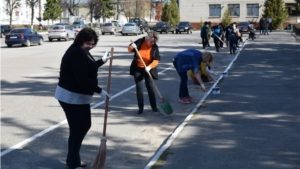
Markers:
{"x": 232, "y": 44}
{"x": 204, "y": 42}
{"x": 183, "y": 88}
{"x": 217, "y": 43}
{"x": 221, "y": 43}
{"x": 79, "y": 120}
{"x": 139, "y": 75}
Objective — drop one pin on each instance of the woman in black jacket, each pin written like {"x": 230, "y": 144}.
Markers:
{"x": 77, "y": 84}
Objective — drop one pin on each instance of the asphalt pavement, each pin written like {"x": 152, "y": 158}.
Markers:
{"x": 253, "y": 123}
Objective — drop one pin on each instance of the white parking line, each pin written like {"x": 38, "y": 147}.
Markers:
{"x": 22, "y": 143}
{"x": 182, "y": 125}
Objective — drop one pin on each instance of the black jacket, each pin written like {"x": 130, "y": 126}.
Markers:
{"x": 154, "y": 53}
{"x": 78, "y": 71}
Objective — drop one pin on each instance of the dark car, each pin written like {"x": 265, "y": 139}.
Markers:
{"x": 243, "y": 27}
{"x": 141, "y": 22}
{"x": 164, "y": 27}
{"x": 184, "y": 27}
{"x": 24, "y": 37}
{"x": 5, "y": 29}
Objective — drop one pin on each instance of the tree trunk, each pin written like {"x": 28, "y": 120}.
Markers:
{"x": 32, "y": 15}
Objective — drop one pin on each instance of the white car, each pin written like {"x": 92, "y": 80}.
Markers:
{"x": 61, "y": 32}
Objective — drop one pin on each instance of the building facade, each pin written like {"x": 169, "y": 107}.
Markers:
{"x": 197, "y": 11}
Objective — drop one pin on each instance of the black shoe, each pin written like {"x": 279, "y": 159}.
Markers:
{"x": 82, "y": 164}
{"x": 140, "y": 112}
{"x": 155, "y": 109}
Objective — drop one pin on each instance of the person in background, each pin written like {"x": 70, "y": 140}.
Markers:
{"x": 204, "y": 69}
{"x": 208, "y": 33}
{"x": 149, "y": 52}
{"x": 203, "y": 35}
{"x": 232, "y": 42}
{"x": 217, "y": 32}
{"x": 184, "y": 61}
{"x": 266, "y": 24}
{"x": 261, "y": 25}
{"x": 76, "y": 86}
{"x": 228, "y": 31}
{"x": 222, "y": 35}
{"x": 270, "y": 23}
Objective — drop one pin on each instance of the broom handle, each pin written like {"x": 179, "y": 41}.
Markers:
{"x": 108, "y": 91}
{"x": 149, "y": 74}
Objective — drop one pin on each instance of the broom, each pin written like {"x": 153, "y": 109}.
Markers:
{"x": 99, "y": 161}
{"x": 165, "y": 105}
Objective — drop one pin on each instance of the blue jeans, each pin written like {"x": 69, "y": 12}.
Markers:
{"x": 183, "y": 89}
{"x": 266, "y": 30}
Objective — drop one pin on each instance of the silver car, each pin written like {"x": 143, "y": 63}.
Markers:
{"x": 131, "y": 28}
{"x": 61, "y": 32}
{"x": 111, "y": 28}
{"x": 76, "y": 28}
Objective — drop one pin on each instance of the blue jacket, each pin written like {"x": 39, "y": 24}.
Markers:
{"x": 203, "y": 33}
{"x": 189, "y": 59}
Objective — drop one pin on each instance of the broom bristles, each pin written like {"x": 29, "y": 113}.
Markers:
{"x": 99, "y": 161}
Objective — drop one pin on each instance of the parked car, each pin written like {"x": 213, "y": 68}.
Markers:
{"x": 131, "y": 28}
{"x": 24, "y": 37}
{"x": 184, "y": 27}
{"x": 142, "y": 23}
{"x": 61, "y": 24}
{"x": 243, "y": 27}
{"x": 164, "y": 27}
{"x": 78, "y": 23}
{"x": 61, "y": 32}
{"x": 111, "y": 28}
{"x": 76, "y": 28}
{"x": 5, "y": 29}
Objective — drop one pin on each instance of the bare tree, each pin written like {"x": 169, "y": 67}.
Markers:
{"x": 32, "y": 4}
{"x": 93, "y": 6}
{"x": 11, "y": 5}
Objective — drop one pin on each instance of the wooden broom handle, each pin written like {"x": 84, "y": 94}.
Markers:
{"x": 148, "y": 72}
{"x": 108, "y": 91}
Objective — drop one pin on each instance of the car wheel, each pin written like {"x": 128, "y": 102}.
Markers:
{"x": 176, "y": 32}
{"x": 9, "y": 46}
{"x": 167, "y": 31}
{"x": 188, "y": 31}
{"x": 142, "y": 31}
{"x": 172, "y": 32}
{"x": 102, "y": 33}
{"x": 67, "y": 38}
{"x": 136, "y": 34}
{"x": 179, "y": 32}
{"x": 28, "y": 43}
{"x": 50, "y": 40}
{"x": 58, "y": 39}
{"x": 41, "y": 41}
{"x": 123, "y": 34}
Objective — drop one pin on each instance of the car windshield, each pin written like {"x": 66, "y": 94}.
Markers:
{"x": 160, "y": 24}
{"x": 18, "y": 31}
{"x": 183, "y": 24}
{"x": 243, "y": 24}
{"x": 134, "y": 20}
{"x": 107, "y": 24}
{"x": 129, "y": 24}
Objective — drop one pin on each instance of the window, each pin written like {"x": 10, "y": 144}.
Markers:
{"x": 234, "y": 9}
{"x": 252, "y": 9}
{"x": 215, "y": 10}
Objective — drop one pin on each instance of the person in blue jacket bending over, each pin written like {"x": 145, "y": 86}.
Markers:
{"x": 189, "y": 59}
